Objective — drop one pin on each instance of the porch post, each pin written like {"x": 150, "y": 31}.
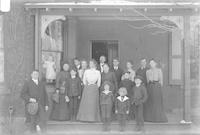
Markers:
{"x": 37, "y": 38}
{"x": 71, "y": 37}
{"x": 187, "y": 88}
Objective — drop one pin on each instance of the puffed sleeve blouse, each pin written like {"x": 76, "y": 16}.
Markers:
{"x": 92, "y": 76}
{"x": 155, "y": 75}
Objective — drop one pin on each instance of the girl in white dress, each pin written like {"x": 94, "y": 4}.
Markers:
{"x": 50, "y": 67}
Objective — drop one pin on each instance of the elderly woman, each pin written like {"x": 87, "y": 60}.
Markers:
{"x": 153, "y": 108}
{"x": 89, "y": 105}
{"x": 60, "y": 110}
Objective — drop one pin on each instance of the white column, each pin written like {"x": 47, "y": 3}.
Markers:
{"x": 187, "y": 88}
{"x": 2, "y": 90}
{"x": 71, "y": 36}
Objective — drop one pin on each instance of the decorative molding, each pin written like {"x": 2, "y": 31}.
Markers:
{"x": 47, "y": 19}
{"x": 178, "y": 20}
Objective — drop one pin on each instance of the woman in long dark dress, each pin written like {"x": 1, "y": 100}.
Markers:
{"x": 109, "y": 76}
{"x": 60, "y": 110}
{"x": 153, "y": 107}
{"x": 89, "y": 106}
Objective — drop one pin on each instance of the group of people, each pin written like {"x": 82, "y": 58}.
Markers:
{"x": 91, "y": 92}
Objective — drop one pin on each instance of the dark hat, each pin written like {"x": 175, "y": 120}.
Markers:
{"x": 32, "y": 108}
{"x": 139, "y": 77}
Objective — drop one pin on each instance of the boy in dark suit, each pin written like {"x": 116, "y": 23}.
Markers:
{"x": 122, "y": 105}
{"x": 73, "y": 86}
{"x": 106, "y": 103}
{"x": 102, "y": 61}
{"x": 117, "y": 70}
{"x": 138, "y": 99}
{"x": 34, "y": 92}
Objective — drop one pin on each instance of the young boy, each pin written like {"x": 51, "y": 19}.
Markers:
{"x": 122, "y": 105}
{"x": 139, "y": 97}
{"x": 106, "y": 103}
{"x": 128, "y": 84}
{"x": 73, "y": 92}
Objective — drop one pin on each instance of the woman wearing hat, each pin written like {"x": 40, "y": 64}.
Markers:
{"x": 60, "y": 109}
{"x": 153, "y": 108}
{"x": 89, "y": 106}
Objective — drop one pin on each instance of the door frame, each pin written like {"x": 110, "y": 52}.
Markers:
{"x": 90, "y": 47}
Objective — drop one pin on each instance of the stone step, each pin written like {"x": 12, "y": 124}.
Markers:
{"x": 96, "y": 128}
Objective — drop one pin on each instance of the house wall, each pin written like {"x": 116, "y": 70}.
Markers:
{"x": 134, "y": 44}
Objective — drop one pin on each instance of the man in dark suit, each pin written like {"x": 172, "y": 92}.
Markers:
{"x": 102, "y": 61}
{"x": 117, "y": 70}
{"x": 34, "y": 92}
{"x": 142, "y": 71}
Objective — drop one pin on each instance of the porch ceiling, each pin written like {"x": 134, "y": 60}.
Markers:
{"x": 121, "y": 8}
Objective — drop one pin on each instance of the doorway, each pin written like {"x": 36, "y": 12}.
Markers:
{"x": 108, "y": 48}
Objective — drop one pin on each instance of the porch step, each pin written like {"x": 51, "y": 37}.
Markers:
{"x": 80, "y": 128}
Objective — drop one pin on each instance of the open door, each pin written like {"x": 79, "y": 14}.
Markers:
{"x": 107, "y": 48}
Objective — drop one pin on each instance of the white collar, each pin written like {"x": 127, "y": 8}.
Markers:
{"x": 73, "y": 77}
{"x": 106, "y": 92}
{"x": 120, "y": 98}
{"x": 35, "y": 81}
{"x": 116, "y": 67}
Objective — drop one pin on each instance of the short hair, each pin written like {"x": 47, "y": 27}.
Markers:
{"x": 123, "y": 89}
{"x": 106, "y": 64}
{"x": 116, "y": 58}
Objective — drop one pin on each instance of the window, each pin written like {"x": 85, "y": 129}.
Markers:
{"x": 52, "y": 45}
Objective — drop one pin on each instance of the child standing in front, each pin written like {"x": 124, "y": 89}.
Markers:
{"x": 73, "y": 92}
{"x": 128, "y": 84}
{"x": 106, "y": 103}
{"x": 122, "y": 105}
{"x": 138, "y": 99}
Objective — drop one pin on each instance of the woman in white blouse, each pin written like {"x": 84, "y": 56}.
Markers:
{"x": 89, "y": 105}
{"x": 153, "y": 108}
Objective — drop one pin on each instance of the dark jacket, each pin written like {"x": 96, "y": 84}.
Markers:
{"x": 106, "y": 99}
{"x": 142, "y": 73}
{"x": 140, "y": 95}
{"x": 110, "y": 77}
{"x": 118, "y": 74}
{"x": 61, "y": 78}
{"x": 73, "y": 86}
{"x": 32, "y": 90}
{"x": 122, "y": 106}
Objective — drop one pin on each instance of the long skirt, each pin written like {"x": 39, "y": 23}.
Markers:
{"x": 153, "y": 107}
{"x": 60, "y": 111}
{"x": 89, "y": 106}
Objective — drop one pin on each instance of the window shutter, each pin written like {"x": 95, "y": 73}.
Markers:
{"x": 176, "y": 58}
